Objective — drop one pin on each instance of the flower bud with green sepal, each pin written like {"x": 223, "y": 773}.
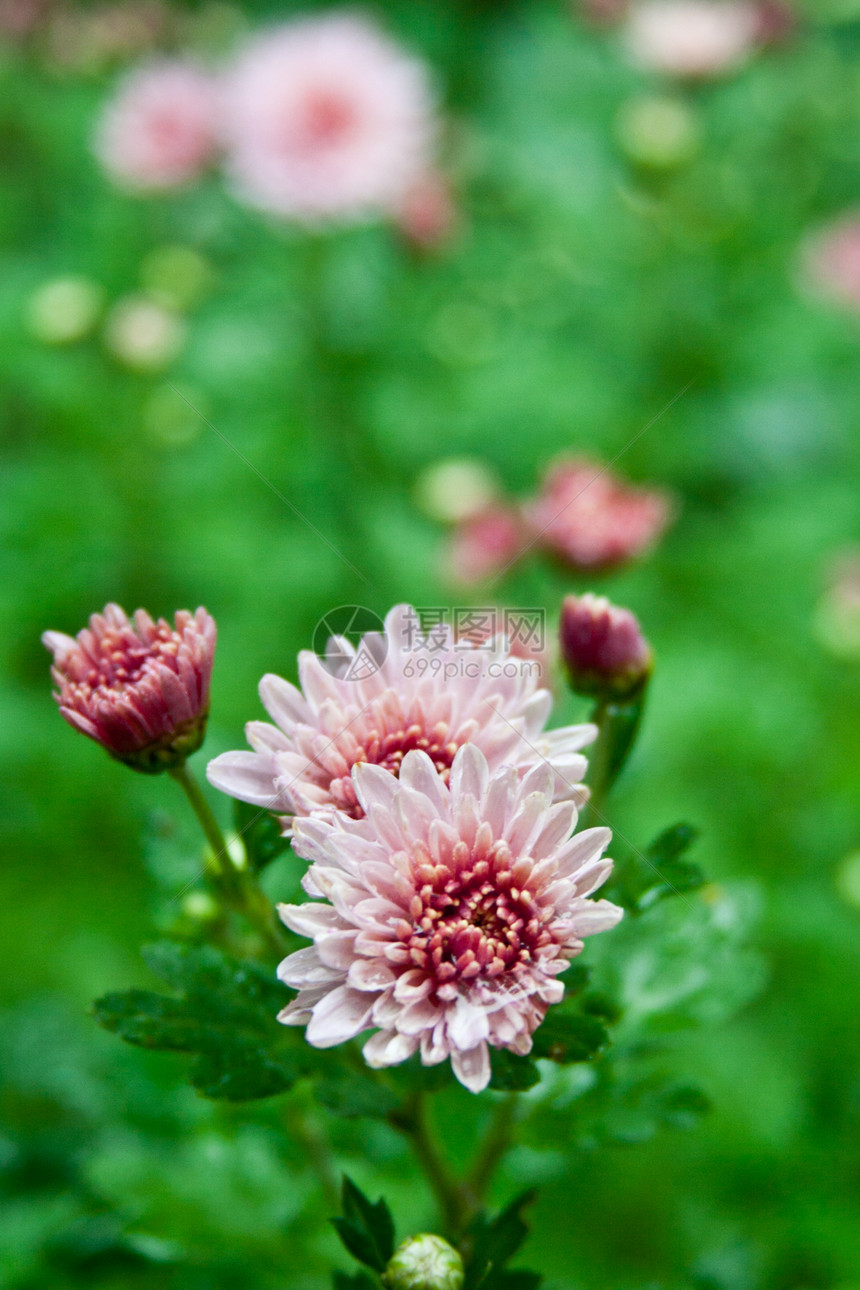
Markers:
{"x": 424, "y": 1262}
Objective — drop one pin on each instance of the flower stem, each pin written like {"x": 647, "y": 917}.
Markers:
{"x": 618, "y": 723}
{"x": 412, "y": 1121}
{"x": 493, "y": 1150}
{"x": 238, "y": 887}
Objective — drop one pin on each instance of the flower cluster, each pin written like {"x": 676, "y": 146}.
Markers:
{"x": 433, "y": 805}
{"x": 583, "y": 515}
{"x": 437, "y": 817}
{"x": 317, "y": 118}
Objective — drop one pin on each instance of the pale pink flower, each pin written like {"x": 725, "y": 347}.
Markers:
{"x": 484, "y": 544}
{"x": 526, "y": 639}
{"x": 326, "y": 117}
{"x": 395, "y": 692}
{"x": 139, "y": 688}
{"x": 831, "y": 260}
{"x": 692, "y": 38}
{"x": 158, "y": 131}
{"x": 449, "y": 920}
{"x": 602, "y": 646}
{"x": 591, "y": 519}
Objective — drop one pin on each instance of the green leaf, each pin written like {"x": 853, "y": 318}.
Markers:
{"x": 261, "y": 835}
{"x": 223, "y": 1012}
{"x": 641, "y": 880}
{"x": 349, "y": 1095}
{"x": 513, "y": 1279}
{"x": 566, "y": 1038}
{"x": 493, "y": 1243}
{"x": 511, "y": 1073}
{"x": 354, "y": 1281}
{"x": 684, "y": 1105}
{"x": 366, "y": 1230}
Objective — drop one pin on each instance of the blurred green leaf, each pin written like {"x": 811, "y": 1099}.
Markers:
{"x": 512, "y": 1073}
{"x": 641, "y": 880}
{"x": 495, "y": 1241}
{"x": 366, "y": 1229}
{"x": 224, "y": 1013}
{"x": 567, "y": 1038}
{"x": 261, "y": 834}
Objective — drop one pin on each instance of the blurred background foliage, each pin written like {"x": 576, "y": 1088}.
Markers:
{"x": 583, "y": 289}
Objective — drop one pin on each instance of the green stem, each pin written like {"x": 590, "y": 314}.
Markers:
{"x": 493, "y": 1150}
{"x": 238, "y": 887}
{"x": 412, "y": 1121}
{"x": 618, "y": 724}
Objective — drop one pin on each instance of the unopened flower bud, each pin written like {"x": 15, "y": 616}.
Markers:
{"x": 424, "y": 1262}
{"x": 139, "y": 688}
{"x": 603, "y": 648}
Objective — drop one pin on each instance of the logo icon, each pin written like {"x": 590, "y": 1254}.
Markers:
{"x": 351, "y": 642}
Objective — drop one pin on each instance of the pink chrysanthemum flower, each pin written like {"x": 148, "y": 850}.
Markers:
{"x": 692, "y": 38}
{"x": 591, "y": 519}
{"x": 395, "y": 692}
{"x": 139, "y": 688}
{"x": 450, "y": 920}
{"x": 326, "y": 117}
{"x": 159, "y": 130}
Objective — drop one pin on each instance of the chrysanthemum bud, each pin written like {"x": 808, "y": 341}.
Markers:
{"x": 424, "y": 1262}
{"x": 603, "y": 648}
{"x": 139, "y": 688}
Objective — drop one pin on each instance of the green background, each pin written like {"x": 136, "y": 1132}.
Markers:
{"x": 580, "y": 294}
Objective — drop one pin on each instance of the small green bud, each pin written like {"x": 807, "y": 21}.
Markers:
{"x": 424, "y": 1262}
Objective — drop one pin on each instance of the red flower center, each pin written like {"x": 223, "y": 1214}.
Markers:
{"x": 388, "y": 750}
{"x": 471, "y": 919}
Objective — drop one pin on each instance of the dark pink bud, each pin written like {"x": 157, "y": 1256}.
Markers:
{"x": 139, "y": 688}
{"x": 603, "y": 647}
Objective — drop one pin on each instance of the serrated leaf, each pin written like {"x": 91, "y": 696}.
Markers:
{"x": 224, "y": 1013}
{"x": 493, "y": 1243}
{"x": 512, "y": 1073}
{"x": 641, "y": 880}
{"x": 261, "y": 834}
{"x": 566, "y": 1038}
{"x": 366, "y": 1229}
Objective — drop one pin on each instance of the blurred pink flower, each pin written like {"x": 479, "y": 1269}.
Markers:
{"x": 158, "y": 131}
{"x": 692, "y": 38}
{"x": 426, "y": 215}
{"x": 450, "y": 913}
{"x": 603, "y": 13}
{"x": 831, "y": 260}
{"x": 326, "y": 117}
{"x": 403, "y": 690}
{"x": 484, "y": 544}
{"x": 591, "y": 519}
{"x": 139, "y": 688}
